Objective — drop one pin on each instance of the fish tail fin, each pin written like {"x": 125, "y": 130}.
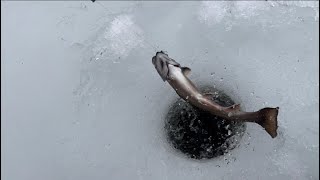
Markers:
{"x": 268, "y": 120}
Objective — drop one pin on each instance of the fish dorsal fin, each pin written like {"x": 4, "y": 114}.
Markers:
{"x": 186, "y": 71}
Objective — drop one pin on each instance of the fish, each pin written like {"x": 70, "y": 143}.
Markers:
{"x": 177, "y": 76}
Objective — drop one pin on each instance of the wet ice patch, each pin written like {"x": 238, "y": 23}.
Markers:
{"x": 213, "y": 12}
{"x": 312, "y": 4}
{"x": 306, "y": 4}
{"x": 248, "y": 9}
{"x": 229, "y": 13}
{"x": 124, "y": 35}
{"x": 120, "y": 37}
{"x": 117, "y": 38}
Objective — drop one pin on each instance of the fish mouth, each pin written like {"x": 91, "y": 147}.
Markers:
{"x": 161, "y": 62}
{"x": 161, "y": 55}
{"x": 161, "y": 52}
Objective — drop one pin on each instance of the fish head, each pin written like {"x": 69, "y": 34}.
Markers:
{"x": 161, "y": 62}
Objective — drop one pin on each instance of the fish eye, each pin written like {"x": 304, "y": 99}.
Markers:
{"x": 158, "y": 64}
{"x": 161, "y": 63}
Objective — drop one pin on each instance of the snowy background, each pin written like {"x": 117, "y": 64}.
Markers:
{"x": 82, "y": 100}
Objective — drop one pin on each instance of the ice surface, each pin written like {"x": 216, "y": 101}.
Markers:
{"x": 82, "y": 100}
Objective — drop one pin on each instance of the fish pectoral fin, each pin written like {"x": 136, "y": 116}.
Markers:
{"x": 235, "y": 107}
{"x": 208, "y": 96}
{"x": 186, "y": 71}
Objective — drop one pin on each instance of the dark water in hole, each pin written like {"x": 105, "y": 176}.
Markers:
{"x": 199, "y": 134}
